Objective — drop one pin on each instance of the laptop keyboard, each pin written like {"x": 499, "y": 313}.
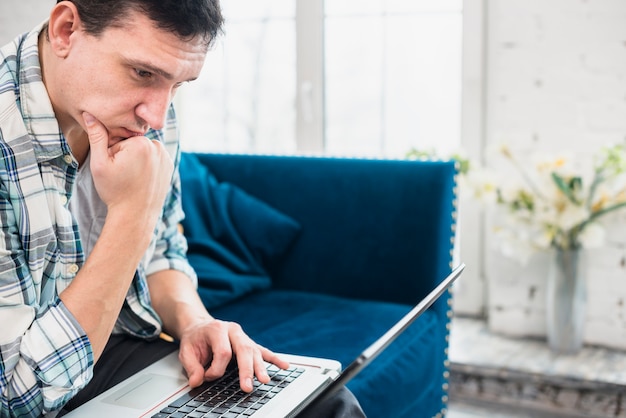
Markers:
{"x": 224, "y": 398}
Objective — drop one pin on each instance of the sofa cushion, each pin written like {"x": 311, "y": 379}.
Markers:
{"x": 338, "y": 328}
{"x": 233, "y": 237}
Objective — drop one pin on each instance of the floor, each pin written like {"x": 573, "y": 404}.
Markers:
{"x": 495, "y": 376}
{"x": 458, "y": 409}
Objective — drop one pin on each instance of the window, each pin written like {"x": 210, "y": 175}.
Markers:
{"x": 243, "y": 100}
{"x": 341, "y": 77}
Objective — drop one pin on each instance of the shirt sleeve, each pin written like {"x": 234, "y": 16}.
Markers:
{"x": 45, "y": 356}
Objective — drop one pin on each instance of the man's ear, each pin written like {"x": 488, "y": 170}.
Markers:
{"x": 64, "y": 22}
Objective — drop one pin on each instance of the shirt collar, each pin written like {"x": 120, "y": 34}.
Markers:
{"x": 37, "y": 112}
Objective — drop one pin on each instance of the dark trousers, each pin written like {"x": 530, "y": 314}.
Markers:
{"x": 124, "y": 356}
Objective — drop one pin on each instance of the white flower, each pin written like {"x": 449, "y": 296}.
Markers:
{"x": 592, "y": 236}
{"x": 543, "y": 239}
{"x": 571, "y": 216}
{"x": 548, "y": 201}
{"x": 546, "y": 213}
{"x": 482, "y": 186}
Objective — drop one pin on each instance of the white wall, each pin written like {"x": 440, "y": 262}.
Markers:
{"x": 556, "y": 79}
{"x": 21, "y": 16}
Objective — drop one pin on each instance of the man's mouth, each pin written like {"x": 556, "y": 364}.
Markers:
{"x": 121, "y": 134}
{"x": 128, "y": 133}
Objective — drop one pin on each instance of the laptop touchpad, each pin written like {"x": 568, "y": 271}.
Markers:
{"x": 145, "y": 391}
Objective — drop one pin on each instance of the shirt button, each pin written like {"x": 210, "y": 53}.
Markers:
{"x": 68, "y": 158}
{"x": 73, "y": 269}
{"x": 63, "y": 200}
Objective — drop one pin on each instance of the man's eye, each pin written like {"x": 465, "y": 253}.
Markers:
{"x": 143, "y": 74}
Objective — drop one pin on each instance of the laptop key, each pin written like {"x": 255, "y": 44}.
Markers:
{"x": 220, "y": 410}
{"x": 236, "y": 410}
{"x": 177, "y": 403}
{"x": 185, "y": 409}
{"x": 168, "y": 410}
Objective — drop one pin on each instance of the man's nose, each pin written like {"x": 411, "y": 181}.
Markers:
{"x": 153, "y": 109}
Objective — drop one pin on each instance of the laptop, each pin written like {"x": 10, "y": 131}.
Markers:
{"x": 161, "y": 389}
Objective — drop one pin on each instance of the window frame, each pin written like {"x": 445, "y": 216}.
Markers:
{"x": 310, "y": 111}
{"x": 471, "y": 296}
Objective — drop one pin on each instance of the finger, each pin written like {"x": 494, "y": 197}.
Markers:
{"x": 98, "y": 137}
{"x": 245, "y": 363}
{"x": 260, "y": 367}
{"x": 218, "y": 366}
{"x": 193, "y": 367}
{"x": 222, "y": 355}
{"x": 247, "y": 355}
{"x": 271, "y": 357}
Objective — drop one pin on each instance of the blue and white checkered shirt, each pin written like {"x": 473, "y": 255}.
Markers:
{"x": 45, "y": 355}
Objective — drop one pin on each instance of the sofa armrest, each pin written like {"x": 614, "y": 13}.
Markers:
{"x": 371, "y": 229}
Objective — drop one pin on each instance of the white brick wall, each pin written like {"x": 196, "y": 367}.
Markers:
{"x": 556, "y": 79}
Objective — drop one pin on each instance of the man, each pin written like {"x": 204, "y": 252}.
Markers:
{"x": 92, "y": 266}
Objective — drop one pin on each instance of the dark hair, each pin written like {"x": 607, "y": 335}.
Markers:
{"x": 185, "y": 18}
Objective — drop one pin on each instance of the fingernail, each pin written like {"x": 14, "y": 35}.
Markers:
{"x": 88, "y": 117}
{"x": 250, "y": 383}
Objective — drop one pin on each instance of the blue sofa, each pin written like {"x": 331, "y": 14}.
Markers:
{"x": 319, "y": 256}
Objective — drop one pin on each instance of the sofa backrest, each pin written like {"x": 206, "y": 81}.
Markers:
{"x": 373, "y": 229}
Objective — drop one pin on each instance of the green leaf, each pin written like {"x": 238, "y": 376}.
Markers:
{"x": 568, "y": 187}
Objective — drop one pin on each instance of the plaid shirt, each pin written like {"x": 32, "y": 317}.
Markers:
{"x": 45, "y": 355}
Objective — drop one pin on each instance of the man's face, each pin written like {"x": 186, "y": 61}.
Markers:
{"x": 128, "y": 76}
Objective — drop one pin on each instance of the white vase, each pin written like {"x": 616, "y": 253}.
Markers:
{"x": 566, "y": 293}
